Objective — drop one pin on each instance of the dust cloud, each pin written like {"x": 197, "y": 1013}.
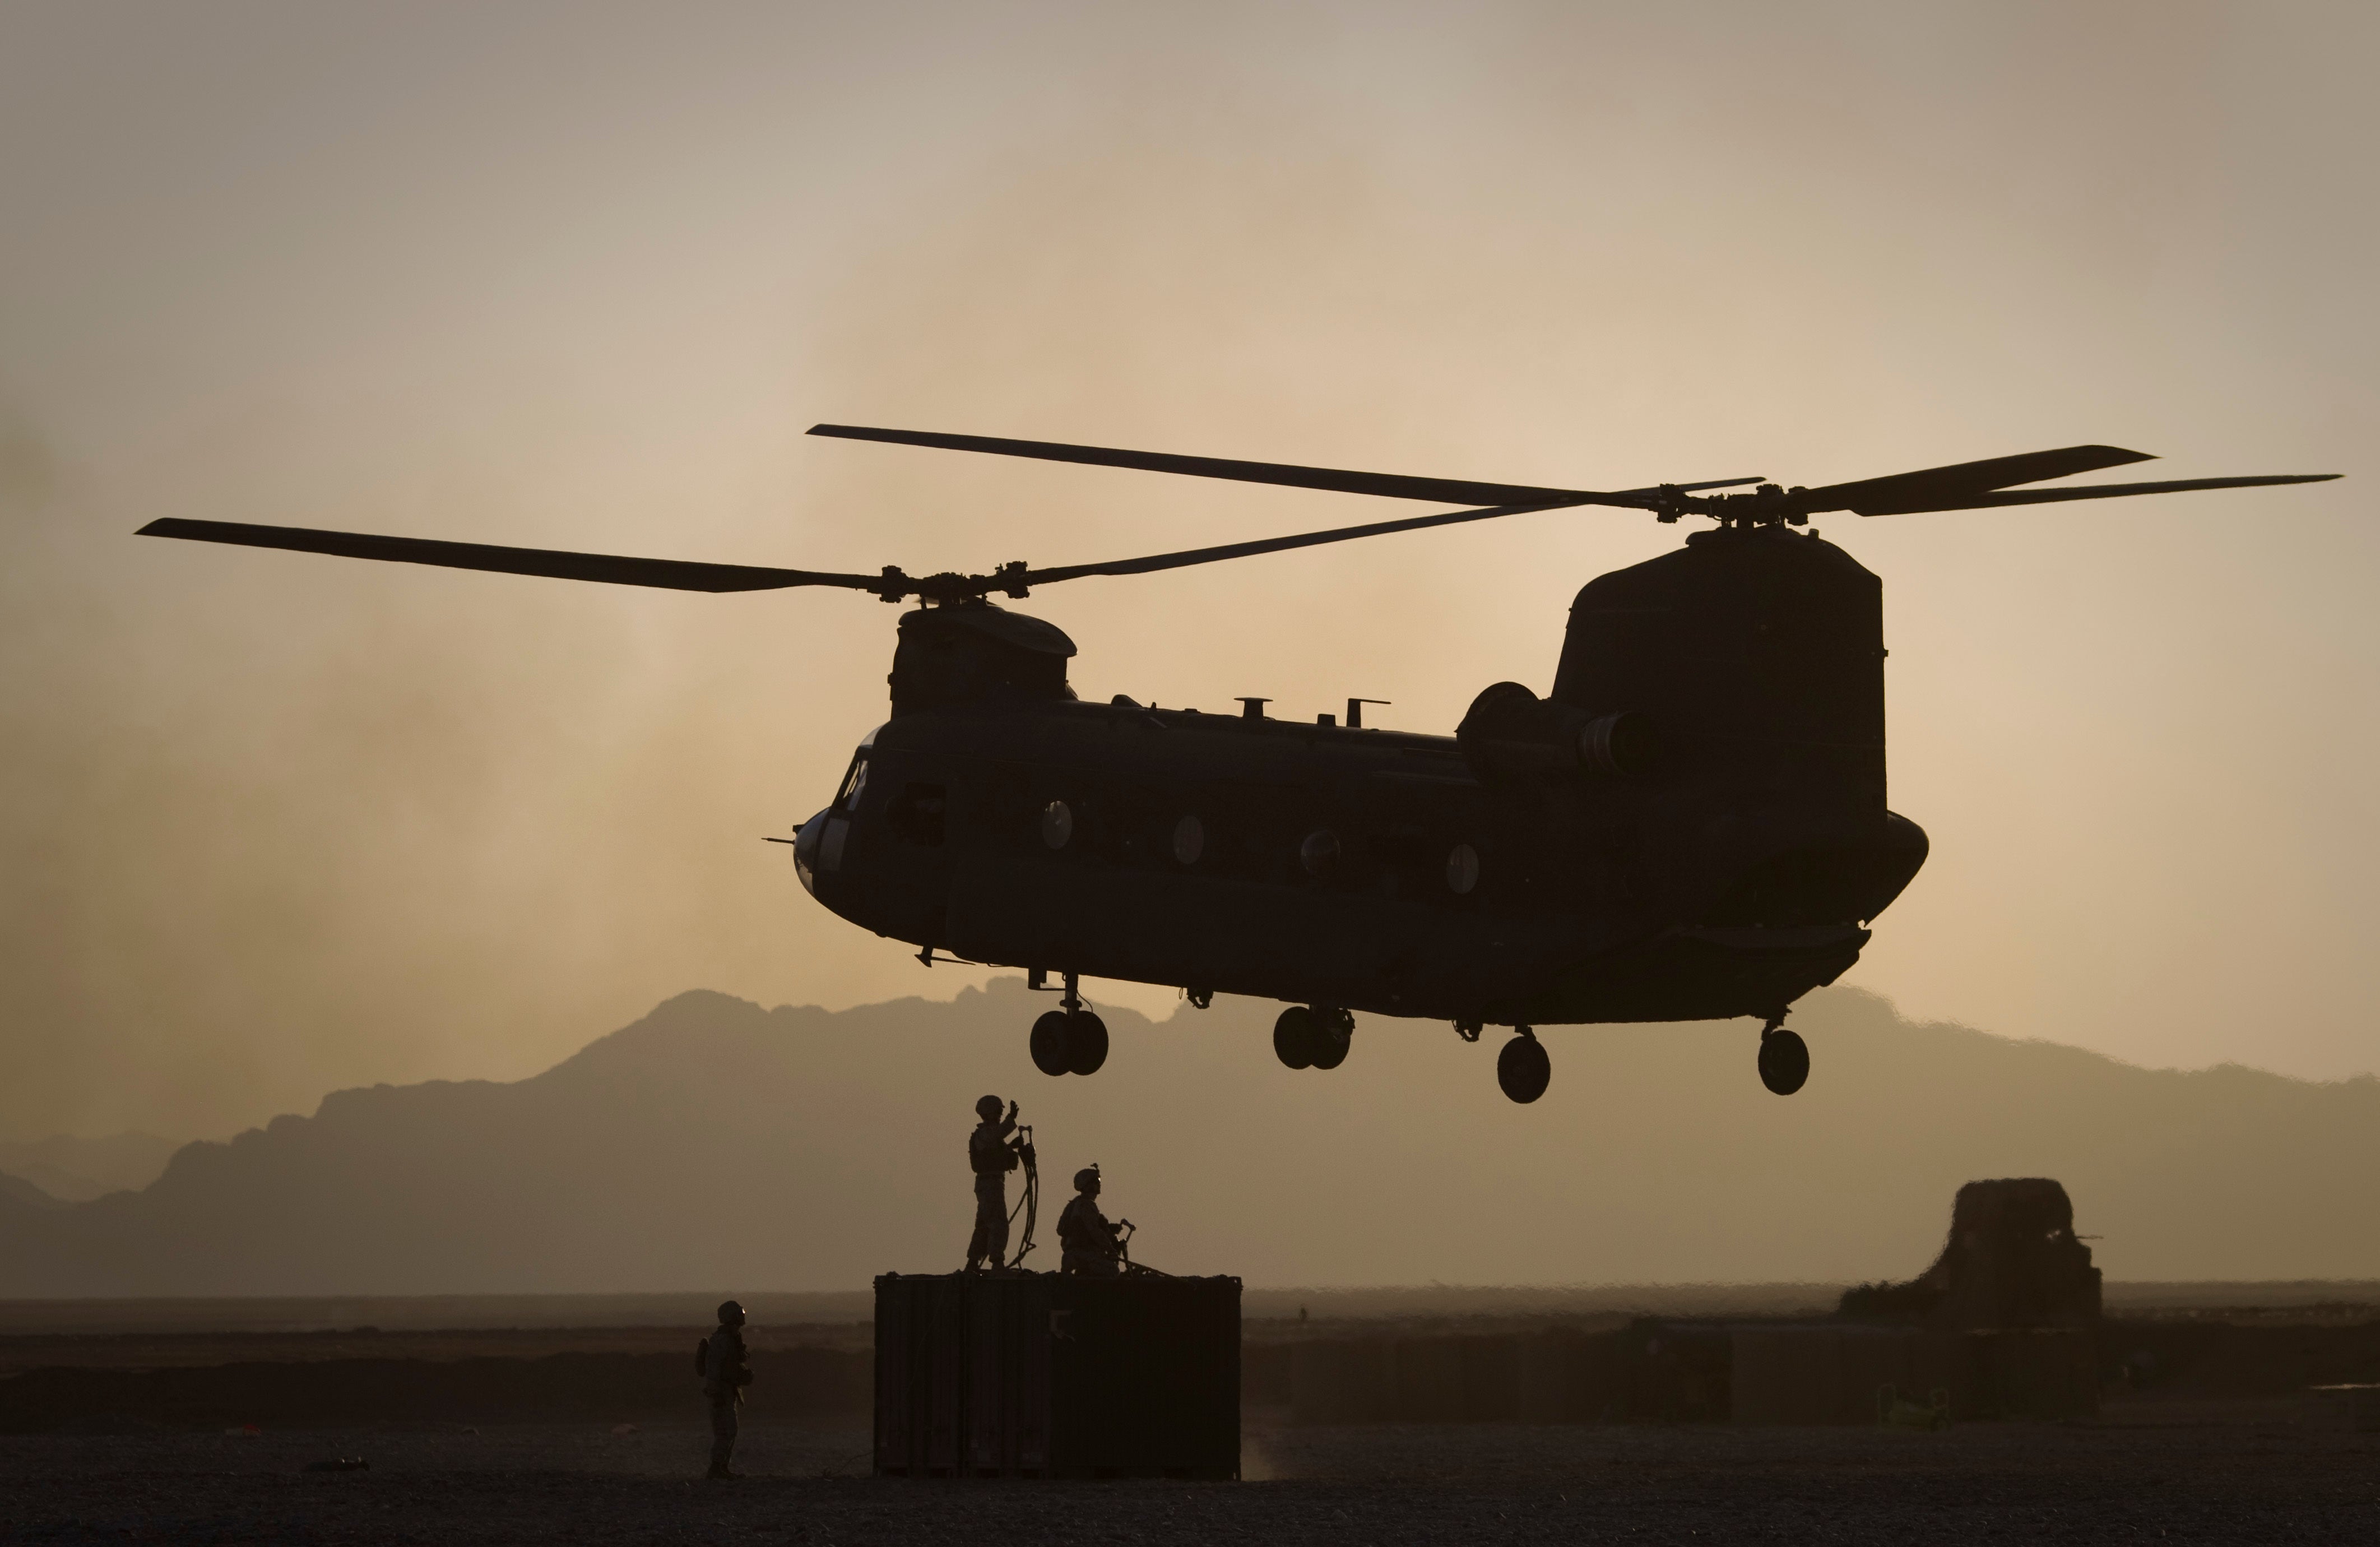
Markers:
{"x": 579, "y": 278}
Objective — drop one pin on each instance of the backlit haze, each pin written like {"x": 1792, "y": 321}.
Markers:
{"x": 579, "y": 275}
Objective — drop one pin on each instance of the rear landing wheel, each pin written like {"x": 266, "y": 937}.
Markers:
{"x": 1784, "y": 1061}
{"x": 1086, "y": 1042}
{"x": 1523, "y": 1069}
{"x": 1050, "y": 1054}
{"x": 1294, "y": 1037}
{"x": 1334, "y": 1032}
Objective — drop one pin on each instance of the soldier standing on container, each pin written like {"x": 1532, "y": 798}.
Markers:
{"x": 725, "y": 1372}
{"x": 991, "y": 1154}
{"x": 1089, "y": 1242}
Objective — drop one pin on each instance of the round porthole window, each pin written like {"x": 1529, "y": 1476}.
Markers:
{"x": 1461, "y": 870}
{"x": 1189, "y": 840}
{"x": 1057, "y": 824}
{"x": 1319, "y": 852}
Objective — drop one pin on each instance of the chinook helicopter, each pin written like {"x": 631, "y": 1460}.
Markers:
{"x": 1691, "y": 825}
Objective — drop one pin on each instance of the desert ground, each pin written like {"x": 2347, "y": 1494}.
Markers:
{"x": 2219, "y": 1451}
{"x": 2241, "y": 1472}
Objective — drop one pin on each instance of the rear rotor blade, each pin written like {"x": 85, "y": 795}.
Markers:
{"x": 2086, "y": 492}
{"x": 1924, "y": 489}
{"x": 1278, "y": 544}
{"x": 1337, "y": 534}
{"x": 1448, "y": 491}
{"x": 609, "y": 568}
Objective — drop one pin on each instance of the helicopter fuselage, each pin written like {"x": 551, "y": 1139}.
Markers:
{"x": 1548, "y": 864}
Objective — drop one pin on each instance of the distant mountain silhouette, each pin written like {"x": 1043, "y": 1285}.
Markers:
{"x": 75, "y": 1169}
{"x": 715, "y": 1144}
{"x": 19, "y": 1189}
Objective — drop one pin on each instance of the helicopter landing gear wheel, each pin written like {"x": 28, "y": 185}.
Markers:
{"x": 1050, "y": 1054}
{"x": 1522, "y": 1070}
{"x": 1295, "y": 1036}
{"x": 1086, "y": 1042}
{"x": 1334, "y": 1032}
{"x": 1784, "y": 1060}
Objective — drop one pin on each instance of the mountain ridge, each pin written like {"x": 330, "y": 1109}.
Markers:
{"x": 74, "y": 1169}
{"x": 795, "y": 1148}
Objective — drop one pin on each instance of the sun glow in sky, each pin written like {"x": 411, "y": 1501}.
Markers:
{"x": 579, "y": 275}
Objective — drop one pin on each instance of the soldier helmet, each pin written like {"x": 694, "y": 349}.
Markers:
{"x": 730, "y": 1313}
{"x": 987, "y": 1107}
{"x": 1086, "y": 1178}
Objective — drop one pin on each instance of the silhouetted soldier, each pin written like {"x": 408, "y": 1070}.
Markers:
{"x": 1088, "y": 1239}
{"x": 725, "y": 1372}
{"x": 991, "y": 1154}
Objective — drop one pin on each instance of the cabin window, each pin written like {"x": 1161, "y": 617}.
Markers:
{"x": 855, "y": 784}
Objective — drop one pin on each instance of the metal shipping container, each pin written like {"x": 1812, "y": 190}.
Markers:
{"x": 1040, "y": 1375}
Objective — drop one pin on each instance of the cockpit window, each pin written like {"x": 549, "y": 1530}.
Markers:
{"x": 855, "y": 783}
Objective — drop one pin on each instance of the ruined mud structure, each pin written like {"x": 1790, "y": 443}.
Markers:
{"x": 2013, "y": 1259}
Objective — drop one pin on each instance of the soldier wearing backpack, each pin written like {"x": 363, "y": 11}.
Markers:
{"x": 725, "y": 1371}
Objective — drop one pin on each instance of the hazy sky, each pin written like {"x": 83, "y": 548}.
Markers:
{"x": 578, "y": 276}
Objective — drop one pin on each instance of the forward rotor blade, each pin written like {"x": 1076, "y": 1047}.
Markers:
{"x": 1916, "y": 491}
{"x": 1694, "y": 488}
{"x": 609, "y": 568}
{"x": 1278, "y": 544}
{"x": 2087, "y": 492}
{"x": 1448, "y": 491}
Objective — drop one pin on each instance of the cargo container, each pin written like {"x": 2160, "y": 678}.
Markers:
{"x": 1043, "y": 1375}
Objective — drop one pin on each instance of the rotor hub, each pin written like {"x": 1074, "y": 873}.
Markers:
{"x": 1768, "y": 504}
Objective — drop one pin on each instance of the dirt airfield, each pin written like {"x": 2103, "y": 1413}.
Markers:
{"x": 2241, "y": 1472}
{"x": 131, "y": 1438}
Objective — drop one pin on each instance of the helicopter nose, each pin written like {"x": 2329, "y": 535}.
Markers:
{"x": 806, "y": 852}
